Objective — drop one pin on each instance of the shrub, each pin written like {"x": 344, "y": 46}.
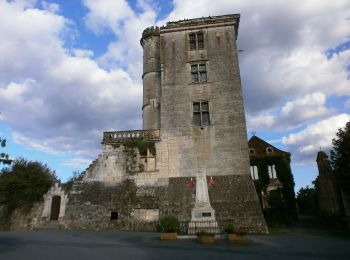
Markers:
{"x": 168, "y": 224}
{"x": 24, "y": 183}
{"x": 241, "y": 231}
{"x": 230, "y": 228}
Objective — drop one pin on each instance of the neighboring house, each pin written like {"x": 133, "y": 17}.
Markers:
{"x": 273, "y": 179}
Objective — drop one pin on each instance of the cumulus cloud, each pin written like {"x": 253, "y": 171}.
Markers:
{"x": 58, "y": 100}
{"x": 50, "y": 7}
{"x": 305, "y": 143}
{"x": 127, "y": 26}
{"x": 284, "y": 47}
{"x": 76, "y": 163}
{"x": 292, "y": 114}
{"x": 55, "y": 102}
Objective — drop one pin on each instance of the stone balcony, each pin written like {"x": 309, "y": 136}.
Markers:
{"x": 117, "y": 137}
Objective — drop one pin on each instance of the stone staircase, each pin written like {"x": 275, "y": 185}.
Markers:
{"x": 51, "y": 224}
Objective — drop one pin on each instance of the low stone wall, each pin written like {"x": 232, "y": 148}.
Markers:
{"x": 22, "y": 219}
{"x": 90, "y": 205}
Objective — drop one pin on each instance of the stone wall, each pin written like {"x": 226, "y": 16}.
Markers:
{"x": 90, "y": 205}
{"x": 23, "y": 219}
{"x": 221, "y": 148}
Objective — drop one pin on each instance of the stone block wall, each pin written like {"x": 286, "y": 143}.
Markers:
{"x": 91, "y": 204}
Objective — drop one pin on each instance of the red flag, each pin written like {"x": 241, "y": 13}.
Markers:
{"x": 191, "y": 183}
{"x": 211, "y": 181}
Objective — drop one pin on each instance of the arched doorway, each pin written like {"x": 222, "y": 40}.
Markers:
{"x": 55, "y": 207}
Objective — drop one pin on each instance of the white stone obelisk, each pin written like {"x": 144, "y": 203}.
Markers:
{"x": 203, "y": 215}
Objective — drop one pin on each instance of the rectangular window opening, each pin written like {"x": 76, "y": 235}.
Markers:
{"x": 114, "y": 215}
{"x": 199, "y": 73}
{"x": 201, "y": 116}
{"x": 196, "y": 40}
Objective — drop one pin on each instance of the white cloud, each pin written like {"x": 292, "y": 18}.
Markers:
{"x": 50, "y": 7}
{"x": 127, "y": 26}
{"x": 80, "y": 53}
{"x": 305, "y": 143}
{"x": 292, "y": 114}
{"x": 54, "y": 102}
{"x": 107, "y": 14}
{"x": 262, "y": 121}
{"x": 284, "y": 46}
{"x": 59, "y": 102}
{"x": 76, "y": 163}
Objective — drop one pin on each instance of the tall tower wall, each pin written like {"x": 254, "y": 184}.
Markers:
{"x": 219, "y": 146}
{"x": 151, "y": 78}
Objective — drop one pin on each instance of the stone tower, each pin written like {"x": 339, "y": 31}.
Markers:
{"x": 151, "y": 79}
{"x": 192, "y": 92}
{"x": 193, "y": 121}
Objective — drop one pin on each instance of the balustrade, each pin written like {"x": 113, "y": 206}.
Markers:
{"x": 122, "y": 136}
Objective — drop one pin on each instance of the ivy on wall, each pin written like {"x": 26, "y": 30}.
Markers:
{"x": 139, "y": 143}
{"x": 282, "y": 209}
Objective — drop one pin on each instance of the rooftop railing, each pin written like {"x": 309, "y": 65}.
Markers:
{"x": 121, "y": 136}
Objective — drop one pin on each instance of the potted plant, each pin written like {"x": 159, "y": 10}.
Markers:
{"x": 237, "y": 234}
{"x": 168, "y": 227}
{"x": 230, "y": 230}
{"x": 205, "y": 237}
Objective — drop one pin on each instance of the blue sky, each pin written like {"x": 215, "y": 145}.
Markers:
{"x": 70, "y": 70}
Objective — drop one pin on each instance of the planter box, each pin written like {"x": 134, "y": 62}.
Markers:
{"x": 168, "y": 236}
{"x": 206, "y": 239}
{"x": 234, "y": 237}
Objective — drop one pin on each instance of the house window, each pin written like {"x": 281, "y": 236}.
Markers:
{"x": 199, "y": 73}
{"x": 254, "y": 172}
{"x": 251, "y": 151}
{"x": 201, "y": 113}
{"x": 272, "y": 171}
{"x": 269, "y": 150}
{"x": 196, "y": 40}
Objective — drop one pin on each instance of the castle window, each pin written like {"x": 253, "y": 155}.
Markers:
{"x": 201, "y": 113}
{"x": 199, "y": 73}
{"x": 196, "y": 40}
{"x": 114, "y": 215}
{"x": 254, "y": 172}
{"x": 272, "y": 171}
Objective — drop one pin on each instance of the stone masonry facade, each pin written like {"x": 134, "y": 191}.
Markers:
{"x": 193, "y": 118}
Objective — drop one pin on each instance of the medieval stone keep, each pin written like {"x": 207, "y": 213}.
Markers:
{"x": 191, "y": 158}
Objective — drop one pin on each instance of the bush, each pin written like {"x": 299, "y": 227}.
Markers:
{"x": 230, "y": 229}
{"x": 241, "y": 231}
{"x": 168, "y": 224}
{"x": 24, "y": 183}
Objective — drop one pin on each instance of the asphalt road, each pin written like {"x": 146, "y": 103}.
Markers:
{"x": 66, "y": 245}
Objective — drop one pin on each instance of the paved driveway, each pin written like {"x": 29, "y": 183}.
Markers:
{"x": 65, "y": 245}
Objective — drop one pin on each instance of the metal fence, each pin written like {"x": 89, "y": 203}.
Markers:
{"x": 188, "y": 227}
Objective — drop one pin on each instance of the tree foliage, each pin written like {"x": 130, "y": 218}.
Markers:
{"x": 307, "y": 201}
{"x": 24, "y": 183}
{"x": 340, "y": 156}
{"x": 4, "y": 157}
{"x": 77, "y": 176}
